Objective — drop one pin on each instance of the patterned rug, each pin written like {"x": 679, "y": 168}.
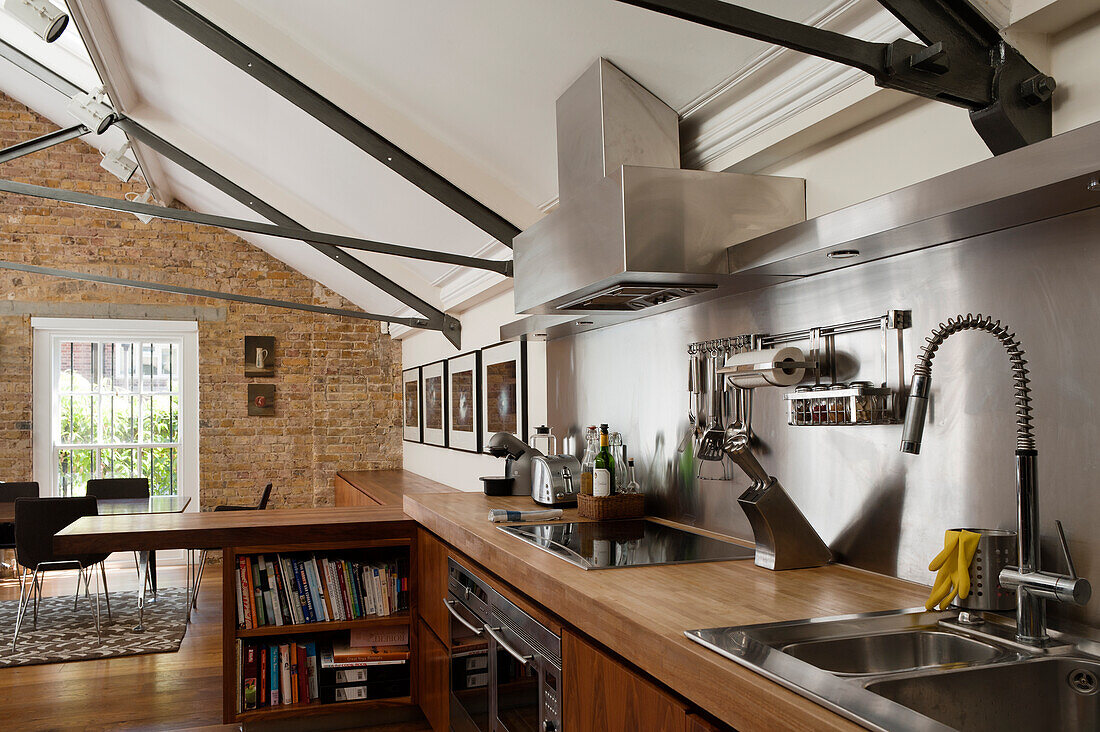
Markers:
{"x": 67, "y": 635}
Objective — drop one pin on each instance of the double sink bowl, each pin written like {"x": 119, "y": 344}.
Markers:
{"x": 918, "y": 670}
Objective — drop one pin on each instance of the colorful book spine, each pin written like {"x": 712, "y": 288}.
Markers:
{"x": 262, "y": 687}
{"x": 312, "y": 666}
{"x": 240, "y": 599}
{"x": 303, "y": 580}
{"x": 273, "y": 673}
{"x": 246, "y": 592}
{"x": 257, "y": 593}
{"x": 251, "y": 674}
{"x": 284, "y": 675}
{"x": 314, "y": 584}
{"x": 303, "y": 674}
{"x": 345, "y": 596}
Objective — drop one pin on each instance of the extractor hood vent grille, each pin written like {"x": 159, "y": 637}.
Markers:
{"x": 633, "y": 297}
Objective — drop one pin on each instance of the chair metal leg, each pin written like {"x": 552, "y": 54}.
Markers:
{"x": 92, "y": 610}
{"x": 23, "y": 603}
{"x": 106, "y": 592}
{"x": 198, "y": 579}
{"x": 37, "y": 585}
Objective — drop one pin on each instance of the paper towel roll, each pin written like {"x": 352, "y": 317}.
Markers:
{"x": 773, "y": 374}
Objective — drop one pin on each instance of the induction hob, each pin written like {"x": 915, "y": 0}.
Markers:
{"x": 626, "y": 543}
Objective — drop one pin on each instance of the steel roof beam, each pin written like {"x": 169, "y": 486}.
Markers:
{"x": 434, "y": 318}
{"x": 327, "y": 113}
{"x": 232, "y": 297}
{"x": 503, "y": 267}
{"x": 42, "y": 142}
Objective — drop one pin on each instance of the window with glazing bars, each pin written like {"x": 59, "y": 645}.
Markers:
{"x": 116, "y": 413}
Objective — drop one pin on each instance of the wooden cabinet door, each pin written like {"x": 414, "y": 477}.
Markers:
{"x": 431, "y": 575}
{"x": 601, "y": 693}
{"x": 434, "y": 679}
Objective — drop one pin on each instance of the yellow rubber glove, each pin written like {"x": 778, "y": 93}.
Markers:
{"x": 953, "y": 568}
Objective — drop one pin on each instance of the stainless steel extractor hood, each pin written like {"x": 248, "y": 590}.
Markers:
{"x": 632, "y": 229}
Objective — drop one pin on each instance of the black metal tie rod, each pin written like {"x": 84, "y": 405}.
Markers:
{"x": 964, "y": 61}
{"x": 232, "y": 297}
{"x": 503, "y": 267}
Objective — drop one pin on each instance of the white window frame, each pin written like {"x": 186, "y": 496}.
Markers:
{"x": 50, "y": 331}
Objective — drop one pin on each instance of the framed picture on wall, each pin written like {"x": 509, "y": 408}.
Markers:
{"x": 464, "y": 402}
{"x": 433, "y": 385}
{"x": 410, "y": 380}
{"x": 504, "y": 390}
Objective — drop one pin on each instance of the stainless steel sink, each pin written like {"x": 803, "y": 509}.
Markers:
{"x": 890, "y": 652}
{"x": 919, "y": 670}
{"x": 1044, "y": 694}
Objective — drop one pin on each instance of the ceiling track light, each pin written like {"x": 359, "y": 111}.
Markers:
{"x": 92, "y": 110}
{"x": 45, "y": 19}
{"x": 146, "y": 197}
{"x": 117, "y": 164}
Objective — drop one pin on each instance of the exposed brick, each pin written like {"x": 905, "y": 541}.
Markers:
{"x": 337, "y": 379}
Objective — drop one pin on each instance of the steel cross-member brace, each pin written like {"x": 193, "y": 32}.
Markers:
{"x": 964, "y": 61}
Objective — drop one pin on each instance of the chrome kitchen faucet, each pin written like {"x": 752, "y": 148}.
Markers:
{"x": 1033, "y": 586}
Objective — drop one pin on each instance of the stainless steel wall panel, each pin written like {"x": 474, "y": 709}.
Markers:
{"x": 877, "y": 508}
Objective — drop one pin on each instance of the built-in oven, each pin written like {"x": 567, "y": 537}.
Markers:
{"x": 505, "y": 665}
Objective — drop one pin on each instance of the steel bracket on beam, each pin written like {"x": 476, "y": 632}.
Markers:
{"x": 964, "y": 61}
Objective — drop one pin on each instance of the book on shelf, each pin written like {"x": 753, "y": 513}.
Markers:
{"x": 342, "y": 655}
{"x": 297, "y": 589}
{"x": 294, "y": 672}
{"x": 395, "y": 635}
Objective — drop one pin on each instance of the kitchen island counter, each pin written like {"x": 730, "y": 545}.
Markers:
{"x": 641, "y": 613}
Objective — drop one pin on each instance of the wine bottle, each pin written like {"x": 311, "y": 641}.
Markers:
{"x": 603, "y": 475}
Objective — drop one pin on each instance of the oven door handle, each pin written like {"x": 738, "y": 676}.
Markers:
{"x": 504, "y": 644}
{"x": 449, "y": 604}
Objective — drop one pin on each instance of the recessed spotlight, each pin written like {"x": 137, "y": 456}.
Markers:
{"x": 45, "y": 19}
{"x": 584, "y": 322}
{"x": 843, "y": 254}
{"x": 540, "y": 335}
{"x": 1094, "y": 185}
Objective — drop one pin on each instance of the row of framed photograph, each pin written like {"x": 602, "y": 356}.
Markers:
{"x": 462, "y": 401}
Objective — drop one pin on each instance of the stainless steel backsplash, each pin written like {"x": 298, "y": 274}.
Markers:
{"x": 877, "y": 508}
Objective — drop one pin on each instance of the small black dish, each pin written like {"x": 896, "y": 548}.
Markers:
{"x": 497, "y": 485}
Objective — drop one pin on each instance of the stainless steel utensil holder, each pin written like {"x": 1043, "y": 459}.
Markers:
{"x": 996, "y": 549}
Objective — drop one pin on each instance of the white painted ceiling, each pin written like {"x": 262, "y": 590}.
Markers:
{"x": 466, "y": 86}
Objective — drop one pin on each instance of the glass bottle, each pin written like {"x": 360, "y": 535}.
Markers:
{"x": 632, "y": 486}
{"x": 603, "y": 476}
{"x": 588, "y": 462}
{"x": 618, "y": 453}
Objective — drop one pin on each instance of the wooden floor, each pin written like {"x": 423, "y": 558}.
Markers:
{"x": 159, "y": 691}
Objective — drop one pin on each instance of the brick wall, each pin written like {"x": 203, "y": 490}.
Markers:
{"x": 337, "y": 379}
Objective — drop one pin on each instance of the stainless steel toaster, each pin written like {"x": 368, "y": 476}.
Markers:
{"x": 555, "y": 480}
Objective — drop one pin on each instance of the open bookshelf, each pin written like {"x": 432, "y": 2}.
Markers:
{"x": 318, "y": 630}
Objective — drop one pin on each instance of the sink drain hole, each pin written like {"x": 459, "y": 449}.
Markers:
{"x": 1083, "y": 681}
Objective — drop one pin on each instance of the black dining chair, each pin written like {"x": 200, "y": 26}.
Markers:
{"x": 36, "y": 522}
{"x": 109, "y": 488}
{"x": 264, "y": 498}
{"x": 106, "y": 489}
{"x": 8, "y": 493}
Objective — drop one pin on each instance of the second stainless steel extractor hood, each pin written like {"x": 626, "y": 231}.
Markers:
{"x": 632, "y": 229}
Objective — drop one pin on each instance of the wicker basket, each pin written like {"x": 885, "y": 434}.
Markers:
{"x": 618, "y": 506}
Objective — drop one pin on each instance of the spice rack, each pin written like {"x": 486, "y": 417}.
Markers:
{"x": 828, "y": 402}
{"x": 855, "y": 403}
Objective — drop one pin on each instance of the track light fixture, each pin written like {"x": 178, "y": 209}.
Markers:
{"x": 146, "y": 197}
{"x": 92, "y": 111}
{"x": 45, "y": 19}
{"x": 117, "y": 164}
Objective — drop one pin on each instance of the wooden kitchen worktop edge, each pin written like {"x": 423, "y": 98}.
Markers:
{"x": 625, "y": 611}
{"x": 389, "y": 487}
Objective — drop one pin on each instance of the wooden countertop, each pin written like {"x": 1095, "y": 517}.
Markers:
{"x": 389, "y": 487}
{"x": 641, "y": 613}
{"x": 213, "y": 530}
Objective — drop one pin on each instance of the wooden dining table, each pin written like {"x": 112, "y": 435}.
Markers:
{"x": 147, "y": 559}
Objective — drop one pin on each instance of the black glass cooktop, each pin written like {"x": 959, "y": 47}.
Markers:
{"x": 626, "y": 543}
